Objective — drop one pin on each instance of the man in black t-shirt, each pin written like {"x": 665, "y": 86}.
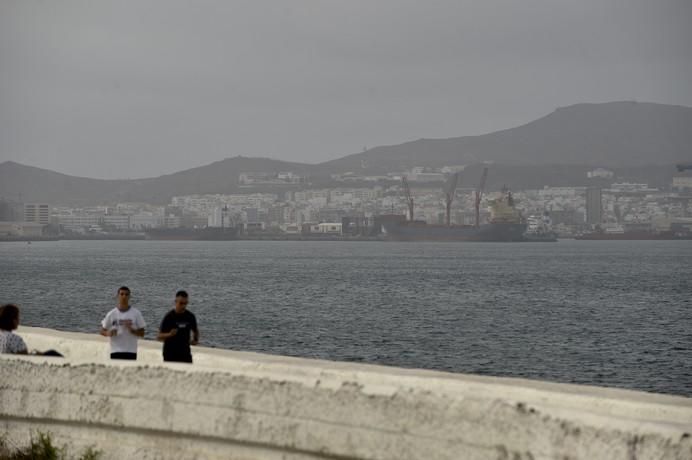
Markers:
{"x": 175, "y": 331}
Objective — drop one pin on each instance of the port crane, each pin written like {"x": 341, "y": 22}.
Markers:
{"x": 409, "y": 197}
{"x": 450, "y": 189}
{"x": 479, "y": 195}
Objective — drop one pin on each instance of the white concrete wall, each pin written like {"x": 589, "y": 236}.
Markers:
{"x": 236, "y": 405}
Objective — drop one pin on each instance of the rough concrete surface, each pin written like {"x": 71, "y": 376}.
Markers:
{"x": 235, "y": 405}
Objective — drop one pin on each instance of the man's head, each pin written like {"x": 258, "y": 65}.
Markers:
{"x": 9, "y": 317}
{"x": 123, "y": 297}
{"x": 180, "y": 301}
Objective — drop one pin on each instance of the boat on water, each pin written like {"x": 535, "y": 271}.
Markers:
{"x": 638, "y": 231}
{"x": 505, "y": 224}
{"x": 640, "y": 235}
{"x": 540, "y": 229}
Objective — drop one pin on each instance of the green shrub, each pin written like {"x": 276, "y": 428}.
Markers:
{"x": 41, "y": 448}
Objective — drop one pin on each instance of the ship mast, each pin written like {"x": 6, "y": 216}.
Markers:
{"x": 450, "y": 189}
{"x": 479, "y": 194}
{"x": 409, "y": 197}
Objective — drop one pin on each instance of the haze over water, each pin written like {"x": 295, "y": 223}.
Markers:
{"x": 593, "y": 312}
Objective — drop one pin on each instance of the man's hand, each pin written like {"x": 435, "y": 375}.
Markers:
{"x": 108, "y": 332}
{"x": 194, "y": 342}
{"x": 163, "y": 336}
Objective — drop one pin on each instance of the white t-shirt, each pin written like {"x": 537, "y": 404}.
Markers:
{"x": 11, "y": 342}
{"x": 125, "y": 341}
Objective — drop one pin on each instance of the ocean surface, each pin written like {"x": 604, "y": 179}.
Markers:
{"x": 610, "y": 313}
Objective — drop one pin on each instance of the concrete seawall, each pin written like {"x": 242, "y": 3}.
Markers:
{"x": 238, "y": 405}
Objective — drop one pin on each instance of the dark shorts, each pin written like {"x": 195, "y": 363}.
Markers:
{"x": 124, "y": 355}
{"x": 178, "y": 359}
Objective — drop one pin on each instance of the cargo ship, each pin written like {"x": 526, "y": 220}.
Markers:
{"x": 640, "y": 235}
{"x": 420, "y": 231}
{"x": 505, "y": 224}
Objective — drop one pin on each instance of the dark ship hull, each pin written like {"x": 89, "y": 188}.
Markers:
{"x": 542, "y": 237}
{"x": 634, "y": 236}
{"x": 418, "y": 231}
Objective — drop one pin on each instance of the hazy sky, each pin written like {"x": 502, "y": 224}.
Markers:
{"x": 118, "y": 89}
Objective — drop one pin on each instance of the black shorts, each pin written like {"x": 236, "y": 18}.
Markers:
{"x": 178, "y": 359}
{"x": 124, "y": 355}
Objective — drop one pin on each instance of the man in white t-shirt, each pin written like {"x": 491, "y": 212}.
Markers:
{"x": 124, "y": 325}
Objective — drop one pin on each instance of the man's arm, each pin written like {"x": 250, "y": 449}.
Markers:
{"x": 138, "y": 327}
{"x": 195, "y": 336}
{"x": 107, "y": 333}
{"x": 166, "y": 329}
{"x": 138, "y": 332}
{"x": 162, "y": 336}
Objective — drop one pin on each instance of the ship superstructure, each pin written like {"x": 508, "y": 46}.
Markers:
{"x": 505, "y": 224}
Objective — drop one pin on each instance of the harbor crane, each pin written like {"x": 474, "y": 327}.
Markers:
{"x": 479, "y": 195}
{"x": 450, "y": 189}
{"x": 409, "y": 197}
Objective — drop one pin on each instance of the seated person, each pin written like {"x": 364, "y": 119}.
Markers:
{"x": 9, "y": 321}
{"x": 11, "y": 342}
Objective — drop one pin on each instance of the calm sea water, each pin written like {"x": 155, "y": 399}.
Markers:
{"x": 605, "y": 313}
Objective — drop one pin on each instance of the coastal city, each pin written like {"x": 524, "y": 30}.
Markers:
{"x": 355, "y": 230}
{"x": 285, "y": 205}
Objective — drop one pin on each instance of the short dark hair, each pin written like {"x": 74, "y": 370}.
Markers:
{"x": 181, "y": 293}
{"x": 123, "y": 288}
{"x": 8, "y": 315}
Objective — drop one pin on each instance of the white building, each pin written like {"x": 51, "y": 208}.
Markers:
{"x": 13, "y": 229}
{"x": 117, "y": 221}
{"x": 329, "y": 227}
{"x": 600, "y": 173}
{"x": 37, "y": 213}
{"x": 682, "y": 183}
{"x": 144, "y": 221}
{"x": 291, "y": 229}
{"x": 78, "y": 221}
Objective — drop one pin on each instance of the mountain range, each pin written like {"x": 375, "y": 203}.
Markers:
{"x": 638, "y": 141}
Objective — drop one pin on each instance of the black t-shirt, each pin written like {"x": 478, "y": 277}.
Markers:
{"x": 177, "y": 348}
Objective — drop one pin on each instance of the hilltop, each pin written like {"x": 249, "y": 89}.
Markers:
{"x": 35, "y": 184}
{"x": 614, "y": 135}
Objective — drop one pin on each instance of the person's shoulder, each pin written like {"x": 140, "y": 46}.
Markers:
{"x": 16, "y": 341}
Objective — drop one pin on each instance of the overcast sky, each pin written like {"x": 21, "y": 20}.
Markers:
{"x": 125, "y": 89}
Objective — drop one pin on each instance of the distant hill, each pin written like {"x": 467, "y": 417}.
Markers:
{"x": 29, "y": 184}
{"x": 615, "y": 134}
{"x": 639, "y": 141}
